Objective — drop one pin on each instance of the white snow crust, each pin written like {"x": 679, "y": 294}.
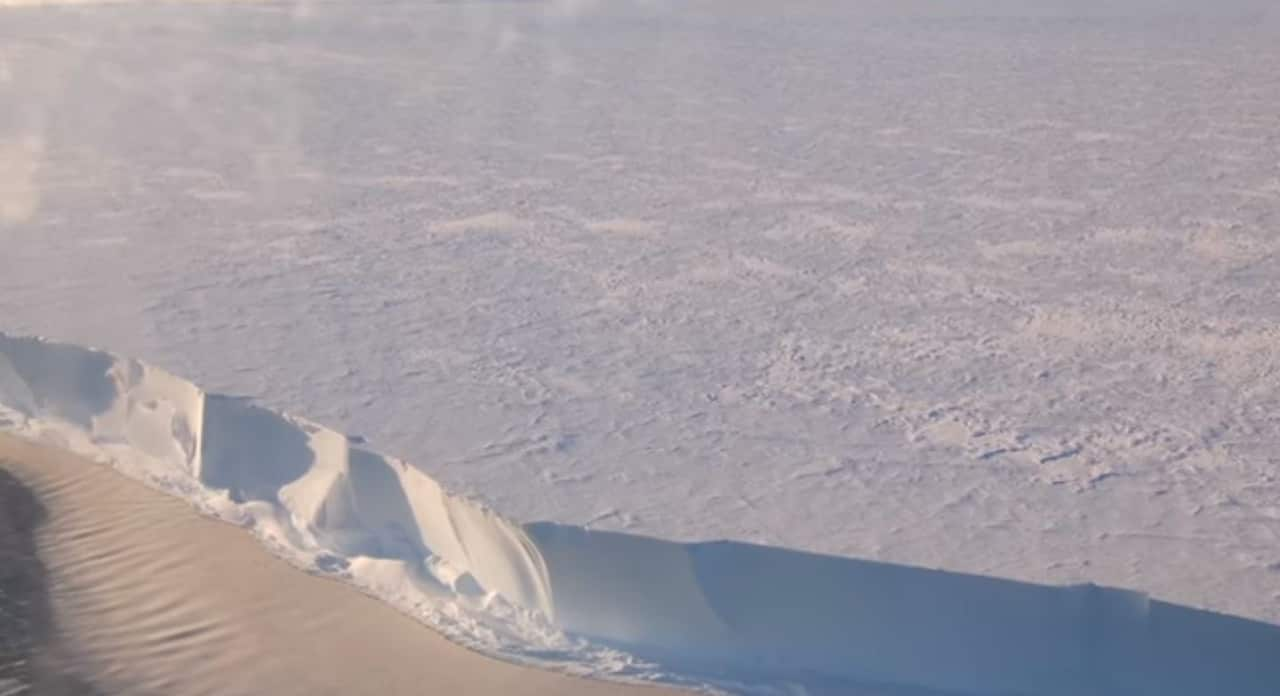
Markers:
{"x": 987, "y": 286}
{"x": 980, "y": 286}
{"x": 700, "y": 614}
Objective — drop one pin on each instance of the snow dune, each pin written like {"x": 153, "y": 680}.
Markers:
{"x": 99, "y": 598}
{"x": 609, "y": 603}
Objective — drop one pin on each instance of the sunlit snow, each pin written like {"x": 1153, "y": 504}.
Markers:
{"x": 989, "y": 287}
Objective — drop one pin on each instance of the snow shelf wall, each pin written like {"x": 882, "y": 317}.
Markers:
{"x": 751, "y": 612}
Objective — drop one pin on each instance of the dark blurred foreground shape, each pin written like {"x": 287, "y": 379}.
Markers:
{"x": 29, "y": 650}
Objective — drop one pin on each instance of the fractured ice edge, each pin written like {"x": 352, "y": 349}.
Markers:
{"x": 718, "y": 615}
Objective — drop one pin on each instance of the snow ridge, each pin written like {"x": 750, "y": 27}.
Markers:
{"x": 613, "y": 604}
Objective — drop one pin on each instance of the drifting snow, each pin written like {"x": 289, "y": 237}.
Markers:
{"x": 988, "y": 287}
{"x": 743, "y": 612}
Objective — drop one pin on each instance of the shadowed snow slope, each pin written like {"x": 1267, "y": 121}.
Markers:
{"x": 546, "y": 592}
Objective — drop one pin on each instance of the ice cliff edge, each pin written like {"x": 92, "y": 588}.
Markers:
{"x": 753, "y": 614}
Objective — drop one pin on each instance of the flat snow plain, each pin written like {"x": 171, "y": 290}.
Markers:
{"x": 991, "y": 289}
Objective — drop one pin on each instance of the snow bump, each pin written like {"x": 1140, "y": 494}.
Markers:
{"x": 752, "y": 617}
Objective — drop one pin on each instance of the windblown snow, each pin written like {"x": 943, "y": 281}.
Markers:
{"x": 753, "y": 616}
{"x": 984, "y": 286}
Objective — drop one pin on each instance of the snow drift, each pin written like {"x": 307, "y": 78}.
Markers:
{"x": 719, "y": 611}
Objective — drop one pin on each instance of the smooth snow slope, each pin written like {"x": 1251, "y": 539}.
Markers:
{"x": 751, "y": 613}
{"x": 982, "y": 286}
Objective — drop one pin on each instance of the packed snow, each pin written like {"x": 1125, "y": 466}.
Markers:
{"x": 987, "y": 287}
{"x": 755, "y": 618}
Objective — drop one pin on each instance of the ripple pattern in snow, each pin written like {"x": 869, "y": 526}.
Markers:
{"x": 607, "y": 603}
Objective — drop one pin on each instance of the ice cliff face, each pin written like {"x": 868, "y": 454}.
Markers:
{"x": 609, "y": 603}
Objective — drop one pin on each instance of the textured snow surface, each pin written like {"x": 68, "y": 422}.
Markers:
{"x": 774, "y": 619}
{"x": 990, "y": 288}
